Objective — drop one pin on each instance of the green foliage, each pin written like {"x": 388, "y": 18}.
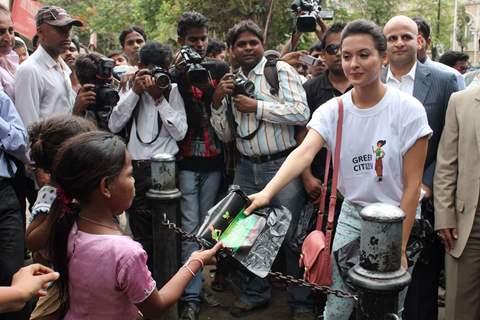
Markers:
{"x": 159, "y": 17}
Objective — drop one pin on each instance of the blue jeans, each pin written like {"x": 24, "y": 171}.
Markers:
{"x": 199, "y": 193}
{"x": 252, "y": 178}
{"x": 348, "y": 229}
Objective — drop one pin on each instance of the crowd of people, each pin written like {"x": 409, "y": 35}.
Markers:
{"x": 78, "y": 130}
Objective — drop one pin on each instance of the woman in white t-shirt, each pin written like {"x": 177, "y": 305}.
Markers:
{"x": 384, "y": 145}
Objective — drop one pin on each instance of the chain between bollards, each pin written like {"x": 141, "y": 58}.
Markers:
{"x": 274, "y": 275}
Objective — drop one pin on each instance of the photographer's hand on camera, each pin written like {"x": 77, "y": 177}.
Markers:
{"x": 86, "y": 96}
{"x": 245, "y": 104}
{"x": 225, "y": 87}
{"x": 139, "y": 82}
{"x": 321, "y": 28}
{"x": 292, "y": 58}
{"x": 152, "y": 89}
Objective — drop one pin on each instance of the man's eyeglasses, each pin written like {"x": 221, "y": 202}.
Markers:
{"x": 332, "y": 49}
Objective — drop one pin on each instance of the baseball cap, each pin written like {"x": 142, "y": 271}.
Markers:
{"x": 55, "y": 16}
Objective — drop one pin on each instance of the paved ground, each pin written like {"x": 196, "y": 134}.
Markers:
{"x": 277, "y": 310}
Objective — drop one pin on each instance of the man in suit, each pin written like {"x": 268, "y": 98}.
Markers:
{"x": 457, "y": 215}
{"x": 432, "y": 87}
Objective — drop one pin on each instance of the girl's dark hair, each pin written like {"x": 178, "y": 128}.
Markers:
{"x": 241, "y": 27}
{"x": 47, "y": 135}
{"x": 362, "y": 26}
{"x": 79, "y": 166}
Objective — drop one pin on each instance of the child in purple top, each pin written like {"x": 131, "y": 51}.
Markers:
{"x": 103, "y": 273}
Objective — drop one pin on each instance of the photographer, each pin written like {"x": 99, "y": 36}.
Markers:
{"x": 155, "y": 124}
{"x": 308, "y": 19}
{"x": 96, "y": 96}
{"x": 200, "y": 157}
{"x": 263, "y": 127}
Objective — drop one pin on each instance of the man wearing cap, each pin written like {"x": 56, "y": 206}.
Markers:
{"x": 42, "y": 86}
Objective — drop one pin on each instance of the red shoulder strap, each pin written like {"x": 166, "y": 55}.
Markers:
{"x": 333, "y": 196}
{"x": 336, "y": 165}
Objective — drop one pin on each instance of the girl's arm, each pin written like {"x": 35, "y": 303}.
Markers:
{"x": 38, "y": 232}
{"x": 293, "y": 166}
{"x": 413, "y": 163}
{"x": 160, "y": 300}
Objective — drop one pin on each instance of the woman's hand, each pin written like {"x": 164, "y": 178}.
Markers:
{"x": 404, "y": 260}
{"x": 259, "y": 200}
{"x": 207, "y": 256}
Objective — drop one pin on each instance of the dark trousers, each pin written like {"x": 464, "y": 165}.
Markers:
{"x": 139, "y": 216}
{"x": 12, "y": 241}
{"x": 421, "y": 302}
{"x": 251, "y": 178}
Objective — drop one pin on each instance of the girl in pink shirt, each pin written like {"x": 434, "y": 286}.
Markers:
{"x": 103, "y": 273}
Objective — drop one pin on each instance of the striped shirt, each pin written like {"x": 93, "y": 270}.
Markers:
{"x": 278, "y": 115}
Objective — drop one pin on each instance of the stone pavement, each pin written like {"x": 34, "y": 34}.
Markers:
{"x": 277, "y": 309}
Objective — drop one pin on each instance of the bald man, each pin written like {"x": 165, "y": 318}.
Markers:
{"x": 432, "y": 87}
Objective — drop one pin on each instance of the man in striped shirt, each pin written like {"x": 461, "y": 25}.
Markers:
{"x": 263, "y": 126}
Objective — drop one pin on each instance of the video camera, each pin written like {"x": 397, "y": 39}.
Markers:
{"x": 197, "y": 74}
{"x": 106, "y": 95}
{"x": 308, "y": 11}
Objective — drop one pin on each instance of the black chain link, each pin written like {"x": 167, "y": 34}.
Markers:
{"x": 289, "y": 280}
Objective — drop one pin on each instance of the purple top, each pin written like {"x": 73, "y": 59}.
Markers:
{"x": 108, "y": 275}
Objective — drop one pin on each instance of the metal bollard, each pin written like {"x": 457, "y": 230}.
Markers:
{"x": 378, "y": 276}
{"x": 163, "y": 198}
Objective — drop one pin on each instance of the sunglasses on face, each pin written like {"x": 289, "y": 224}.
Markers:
{"x": 332, "y": 49}
{"x": 5, "y": 30}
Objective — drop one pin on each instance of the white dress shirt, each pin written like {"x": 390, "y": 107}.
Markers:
{"x": 43, "y": 87}
{"x": 172, "y": 116}
{"x": 406, "y": 81}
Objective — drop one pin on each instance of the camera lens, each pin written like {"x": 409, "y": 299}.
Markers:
{"x": 162, "y": 80}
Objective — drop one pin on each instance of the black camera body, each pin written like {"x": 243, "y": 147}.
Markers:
{"x": 309, "y": 11}
{"x": 243, "y": 86}
{"x": 162, "y": 78}
{"x": 197, "y": 74}
{"x": 106, "y": 95}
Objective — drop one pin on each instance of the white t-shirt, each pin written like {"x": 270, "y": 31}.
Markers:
{"x": 385, "y": 131}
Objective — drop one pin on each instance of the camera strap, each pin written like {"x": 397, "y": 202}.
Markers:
{"x": 271, "y": 75}
{"x": 233, "y": 123}
{"x": 159, "y": 122}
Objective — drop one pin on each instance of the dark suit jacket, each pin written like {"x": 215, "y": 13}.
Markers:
{"x": 433, "y": 88}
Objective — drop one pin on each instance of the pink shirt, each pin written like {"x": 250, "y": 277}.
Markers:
{"x": 108, "y": 275}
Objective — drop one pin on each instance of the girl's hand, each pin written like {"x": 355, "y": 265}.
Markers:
{"x": 207, "y": 256}
{"x": 259, "y": 200}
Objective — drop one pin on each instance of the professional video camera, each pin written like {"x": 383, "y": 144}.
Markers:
{"x": 243, "y": 86}
{"x": 197, "y": 74}
{"x": 106, "y": 95}
{"x": 308, "y": 11}
{"x": 162, "y": 78}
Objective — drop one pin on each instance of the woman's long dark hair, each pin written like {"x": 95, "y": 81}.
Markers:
{"x": 79, "y": 166}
